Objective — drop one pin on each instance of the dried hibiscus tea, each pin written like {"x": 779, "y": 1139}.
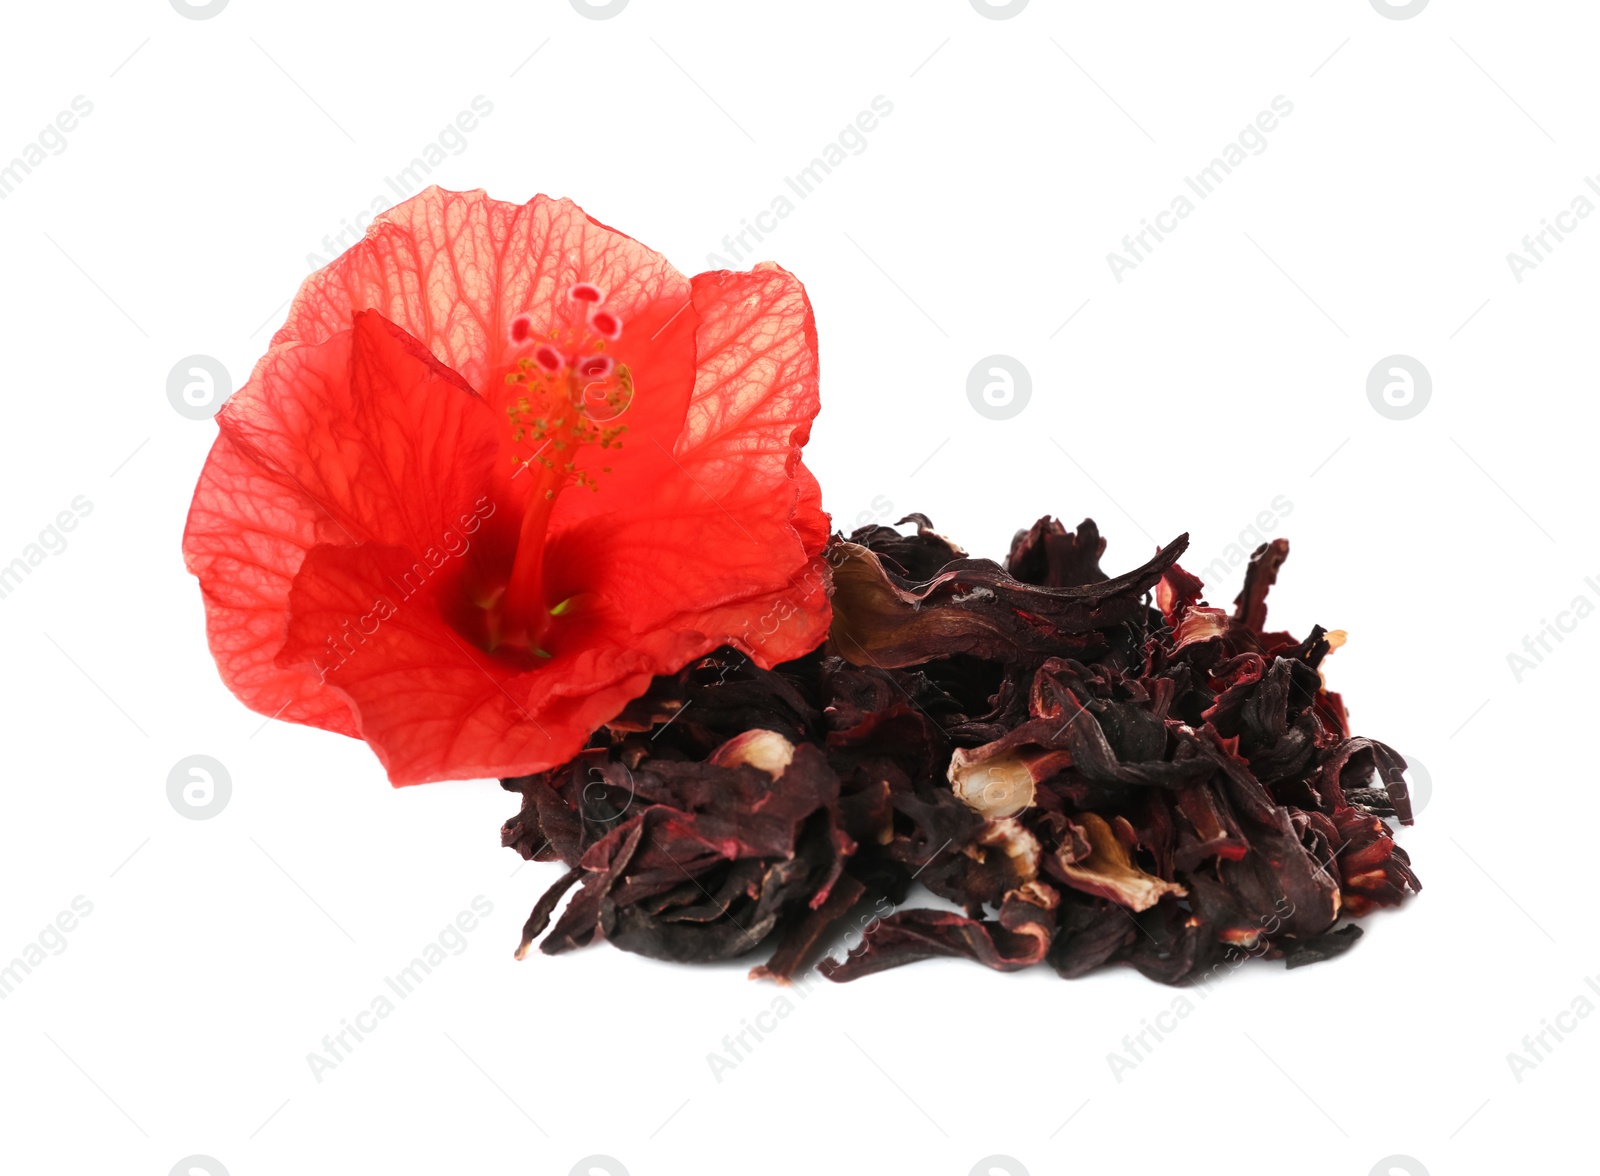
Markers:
{"x": 508, "y": 495}
{"x": 1093, "y": 769}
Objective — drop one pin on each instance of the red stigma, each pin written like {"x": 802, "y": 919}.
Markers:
{"x": 605, "y": 324}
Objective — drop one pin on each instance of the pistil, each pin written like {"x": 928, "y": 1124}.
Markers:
{"x": 570, "y": 392}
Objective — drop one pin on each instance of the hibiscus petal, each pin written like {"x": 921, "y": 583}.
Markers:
{"x": 388, "y": 443}
{"x": 435, "y": 708}
{"x": 245, "y": 539}
{"x": 410, "y": 682}
{"x": 755, "y": 390}
{"x": 773, "y": 628}
{"x": 730, "y": 519}
{"x": 363, "y": 437}
{"x": 811, "y": 522}
{"x": 455, "y": 268}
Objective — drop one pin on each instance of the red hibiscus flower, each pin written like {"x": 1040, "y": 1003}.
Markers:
{"x": 502, "y": 466}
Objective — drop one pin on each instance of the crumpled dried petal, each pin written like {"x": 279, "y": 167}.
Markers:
{"x": 1091, "y": 778}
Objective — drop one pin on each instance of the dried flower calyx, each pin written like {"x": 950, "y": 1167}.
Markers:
{"x": 1088, "y": 769}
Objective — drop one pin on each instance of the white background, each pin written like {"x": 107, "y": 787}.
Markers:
{"x": 1226, "y": 370}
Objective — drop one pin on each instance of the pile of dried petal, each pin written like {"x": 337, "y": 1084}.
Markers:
{"x": 1093, "y": 779}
